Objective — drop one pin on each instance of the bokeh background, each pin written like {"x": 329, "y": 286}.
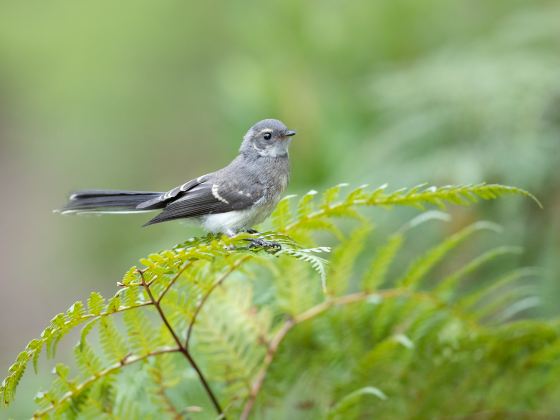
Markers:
{"x": 146, "y": 95}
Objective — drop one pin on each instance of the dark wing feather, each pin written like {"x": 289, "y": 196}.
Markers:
{"x": 161, "y": 201}
{"x": 208, "y": 198}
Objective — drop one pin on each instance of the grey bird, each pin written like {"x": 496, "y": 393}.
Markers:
{"x": 229, "y": 200}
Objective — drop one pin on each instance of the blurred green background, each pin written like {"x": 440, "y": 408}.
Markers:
{"x": 146, "y": 95}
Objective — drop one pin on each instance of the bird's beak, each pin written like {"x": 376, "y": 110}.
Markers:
{"x": 289, "y": 133}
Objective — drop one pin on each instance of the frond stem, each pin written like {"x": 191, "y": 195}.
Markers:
{"x": 182, "y": 349}
{"x": 116, "y": 311}
{"x": 174, "y": 279}
{"x": 311, "y": 313}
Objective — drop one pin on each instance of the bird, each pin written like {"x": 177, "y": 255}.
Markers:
{"x": 228, "y": 201}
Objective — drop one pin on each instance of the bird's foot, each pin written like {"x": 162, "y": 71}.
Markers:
{"x": 269, "y": 246}
{"x": 251, "y": 231}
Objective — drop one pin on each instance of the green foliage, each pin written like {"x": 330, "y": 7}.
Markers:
{"x": 216, "y": 324}
{"x": 341, "y": 407}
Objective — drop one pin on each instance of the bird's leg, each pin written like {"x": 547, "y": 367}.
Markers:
{"x": 268, "y": 246}
{"x": 230, "y": 232}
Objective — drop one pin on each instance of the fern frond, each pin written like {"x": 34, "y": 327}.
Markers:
{"x": 342, "y": 407}
{"x": 376, "y": 274}
{"x": 95, "y": 303}
{"x": 384, "y": 256}
{"x": 343, "y": 260}
{"x": 419, "y": 197}
{"x": 98, "y": 401}
{"x": 317, "y": 263}
{"x": 112, "y": 341}
{"x": 510, "y": 301}
{"x": 238, "y": 326}
{"x": 282, "y": 213}
{"x": 293, "y": 293}
{"x": 232, "y": 334}
{"x": 88, "y": 362}
{"x": 59, "y": 327}
{"x": 461, "y": 195}
{"x": 330, "y": 195}
{"x": 519, "y": 306}
{"x": 164, "y": 375}
{"x": 52, "y": 403}
{"x": 449, "y": 283}
{"x": 478, "y": 296}
{"x": 306, "y": 203}
{"x": 142, "y": 335}
{"x": 424, "y": 264}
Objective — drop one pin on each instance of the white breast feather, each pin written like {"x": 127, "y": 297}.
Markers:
{"x": 232, "y": 221}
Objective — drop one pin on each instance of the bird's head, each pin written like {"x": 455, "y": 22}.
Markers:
{"x": 267, "y": 138}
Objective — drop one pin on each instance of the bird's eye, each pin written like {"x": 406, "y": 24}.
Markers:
{"x": 267, "y": 136}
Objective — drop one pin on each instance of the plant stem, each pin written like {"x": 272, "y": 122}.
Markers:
{"x": 182, "y": 349}
{"x": 292, "y": 322}
{"x": 174, "y": 279}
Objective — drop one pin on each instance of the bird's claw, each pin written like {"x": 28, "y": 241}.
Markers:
{"x": 268, "y": 246}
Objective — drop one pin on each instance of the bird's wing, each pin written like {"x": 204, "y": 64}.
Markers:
{"x": 211, "y": 198}
{"x": 162, "y": 200}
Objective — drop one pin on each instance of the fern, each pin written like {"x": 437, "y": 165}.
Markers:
{"x": 343, "y": 260}
{"x": 214, "y": 324}
{"x": 422, "y": 266}
{"x": 345, "y": 403}
{"x": 419, "y": 197}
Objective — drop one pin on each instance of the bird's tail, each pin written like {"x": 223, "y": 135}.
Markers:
{"x": 107, "y": 201}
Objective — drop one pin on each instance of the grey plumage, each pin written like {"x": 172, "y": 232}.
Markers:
{"x": 90, "y": 200}
{"x": 233, "y": 198}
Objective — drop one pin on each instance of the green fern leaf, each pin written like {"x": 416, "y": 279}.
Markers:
{"x": 343, "y": 406}
{"x": 132, "y": 297}
{"x": 229, "y": 332}
{"x": 141, "y": 334}
{"x": 282, "y": 214}
{"x": 376, "y": 274}
{"x": 114, "y": 304}
{"x": 86, "y": 330}
{"x": 344, "y": 258}
{"x": 478, "y": 296}
{"x": 239, "y": 331}
{"x": 15, "y": 372}
{"x": 357, "y": 195}
{"x": 293, "y": 295}
{"x": 308, "y": 255}
{"x": 331, "y": 195}
{"x": 324, "y": 225}
{"x": 95, "y": 303}
{"x": 130, "y": 277}
{"x": 448, "y": 284}
{"x": 112, "y": 342}
{"x": 424, "y": 264}
{"x": 34, "y": 349}
{"x": 305, "y": 204}
{"x": 462, "y": 195}
{"x": 386, "y": 253}
{"x": 507, "y": 304}
{"x": 88, "y": 362}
